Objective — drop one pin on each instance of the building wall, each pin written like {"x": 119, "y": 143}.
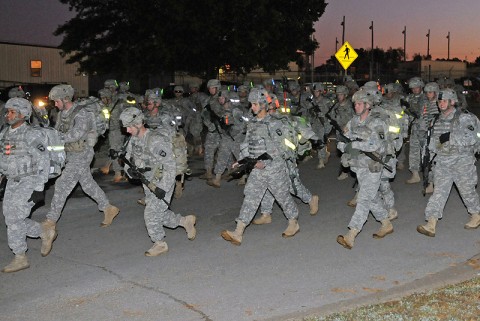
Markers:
{"x": 15, "y": 67}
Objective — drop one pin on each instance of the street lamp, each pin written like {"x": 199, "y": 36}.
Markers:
{"x": 343, "y": 30}
{"x": 404, "y": 43}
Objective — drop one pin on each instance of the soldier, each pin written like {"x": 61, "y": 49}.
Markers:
{"x": 264, "y": 135}
{"x": 232, "y": 126}
{"x": 196, "y": 127}
{"x": 416, "y": 102}
{"x": 106, "y": 98}
{"x": 152, "y": 149}
{"x": 454, "y": 140}
{"x": 317, "y": 109}
{"x": 124, "y": 87}
{"x": 342, "y": 112}
{"x": 116, "y": 137}
{"x": 243, "y": 91}
{"x": 297, "y": 127}
{"x": 368, "y": 135}
{"x": 430, "y": 113}
{"x": 25, "y": 162}
{"x": 74, "y": 125}
{"x": 210, "y": 114}
{"x": 112, "y": 85}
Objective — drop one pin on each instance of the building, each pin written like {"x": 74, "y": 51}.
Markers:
{"x": 33, "y": 64}
{"x": 430, "y": 70}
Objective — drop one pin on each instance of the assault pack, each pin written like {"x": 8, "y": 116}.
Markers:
{"x": 100, "y": 114}
{"x": 55, "y": 148}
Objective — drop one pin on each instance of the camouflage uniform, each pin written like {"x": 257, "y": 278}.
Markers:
{"x": 418, "y": 130}
{"x": 154, "y": 150}
{"x": 455, "y": 162}
{"x": 77, "y": 169}
{"x": 26, "y": 168}
{"x": 116, "y": 138}
{"x": 262, "y": 136}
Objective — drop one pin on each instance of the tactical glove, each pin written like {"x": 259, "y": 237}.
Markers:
{"x": 133, "y": 173}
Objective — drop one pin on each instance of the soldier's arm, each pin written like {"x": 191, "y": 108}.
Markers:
{"x": 79, "y": 128}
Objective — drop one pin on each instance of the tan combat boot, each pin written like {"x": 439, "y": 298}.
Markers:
{"x": 236, "y": 236}
{"x": 342, "y": 176}
{"x": 263, "y": 219}
{"x": 392, "y": 214}
{"x": 105, "y": 169}
{"x": 216, "y": 181}
{"x": 313, "y": 205}
{"x": 291, "y": 229}
{"x": 242, "y": 180}
{"x": 321, "y": 164}
{"x": 48, "y": 235}
{"x": 207, "y": 175}
{"x": 474, "y": 222}
{"x": 429, "y": 228}
{"x": 141, "y": 201}
{"x": 158, "y": 248}
{"x": 429, "y": 189}
{"x": 348, "y": 240}
{"x": 178, "y": 190}
{"x": 19, "y": 262}
{"x": 400, "y": 166}
{"x": 188, "y": 223}
{"x": 119, "y": 178}
{"x": 353, "y": 201}
{"x": 385, "y": 229}
{"x": 110, "y": 213}
{"x": 414, "y": 179}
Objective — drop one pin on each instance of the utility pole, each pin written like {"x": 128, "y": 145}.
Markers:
{"x": 343, "y": 30}
{"x": 428, "y": 44}
{"x": 371, "y": 55}
{"x": 404, "y": 43}
{"x": 448, "y": 51}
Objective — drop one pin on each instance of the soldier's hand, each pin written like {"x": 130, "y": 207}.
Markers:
{"x": 133, "y": 173}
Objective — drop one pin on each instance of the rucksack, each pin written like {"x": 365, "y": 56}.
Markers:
{"x": 55, "y": 148}
{"x": 180, "y": 152}
{"x": 100, "y": 113}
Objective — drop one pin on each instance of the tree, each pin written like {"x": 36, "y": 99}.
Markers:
{"x": 140, "y": 38}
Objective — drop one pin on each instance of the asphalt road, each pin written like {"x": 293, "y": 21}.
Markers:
{"x": 101, "y": 274}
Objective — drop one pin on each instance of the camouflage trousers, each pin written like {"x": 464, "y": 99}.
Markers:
{"x": 367, "y": 199}
{"x": 16, "y": 209}
{"x": 212, "y": 142}
{"x": 417, "y": 142}
{"x": 72, "y": 174}
{"x": 273, "y": 178}
{"x": 385, "y": 193}
{"x": 227, "y": 148}
{"x": 116, "y": 141}
{"x": 157, "y": 214}
{"x": 458, "y": 169}
{"x": 296, "y": 188}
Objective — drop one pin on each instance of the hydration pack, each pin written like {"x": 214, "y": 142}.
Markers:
{"x": 55, "y": 148}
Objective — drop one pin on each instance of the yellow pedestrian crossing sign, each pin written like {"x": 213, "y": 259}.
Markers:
{"x": 346, "y": 55}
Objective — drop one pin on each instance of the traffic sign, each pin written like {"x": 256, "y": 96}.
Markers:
{"x": 346, "y": 55}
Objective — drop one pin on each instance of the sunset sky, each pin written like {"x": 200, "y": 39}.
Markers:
{"x": 33, "y": 21}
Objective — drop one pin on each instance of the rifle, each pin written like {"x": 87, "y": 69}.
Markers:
{"x": 246, "y": 165}
{"x": 139, "y": 173}
{"x": 426, "y": 164}
{"x": 370, "y": 155}
{"x": 407, "y": 109}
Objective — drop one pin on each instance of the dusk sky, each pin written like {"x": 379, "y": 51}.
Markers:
{"x": 33, "y": 21}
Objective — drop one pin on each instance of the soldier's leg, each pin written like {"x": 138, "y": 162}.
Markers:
{"x": 151, "y": 215}
{"x": 443, "y": 181}
{"x": 254, "y": 191}
{"x": 91, "y": 188}
{"x": 63, "y": 187}
{"x": 387, "y": 193}
{"x": 266, "y": 209}
{"x": 466, "y": 181}
{"x": 278, "y": 185}
{"x": 16, "y": 209}
{"x": 368, "y": 188}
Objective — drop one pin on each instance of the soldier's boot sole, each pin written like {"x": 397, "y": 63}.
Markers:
{"x": 343, "y": 242}
{"x": 231, "y": 237}
{"x": 422, "y": 230}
